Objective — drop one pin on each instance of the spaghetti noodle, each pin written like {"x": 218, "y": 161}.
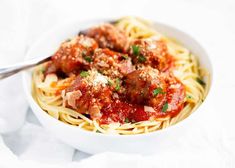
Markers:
{"x": 182, "y": 78}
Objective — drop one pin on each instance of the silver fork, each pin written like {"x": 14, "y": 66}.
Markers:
{"x": 13, "y": 69}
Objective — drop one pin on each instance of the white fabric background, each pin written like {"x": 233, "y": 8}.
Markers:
{"x": 24, "y": 143}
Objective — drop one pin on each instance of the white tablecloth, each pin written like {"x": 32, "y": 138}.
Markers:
{"x": 24, "y": 143}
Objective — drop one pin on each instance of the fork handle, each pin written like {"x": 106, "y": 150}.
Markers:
{"x": 13, "y": 69}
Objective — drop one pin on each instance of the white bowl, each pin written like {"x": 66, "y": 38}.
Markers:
{"x": 95, "y": 142}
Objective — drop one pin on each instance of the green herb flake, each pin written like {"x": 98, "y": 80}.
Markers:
{"x": 98, "y": 131}
{"x": 165, "y": 107}
{"x": 135, "y": 50}
{"x": 199, "y": 80}
{"x": 84, "y": 74}
{"x": 43, "y": 69}
{"x": 141, "y": 59}
{"x": 88, "y": 59}
{"x": 189, "y": 97}
{"x": 158, "y": 91}
{"x": 118, "y": 86}
{"x": 110, "y": 83}
{"x": 126, "y": 120}
{"x": 125, "y": 57}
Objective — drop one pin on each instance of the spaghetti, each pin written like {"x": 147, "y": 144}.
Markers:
{"x": 173, "y": 83}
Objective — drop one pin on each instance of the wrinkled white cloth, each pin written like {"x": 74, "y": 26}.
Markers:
{"x": 25, "y": 143}
{"x": 13, "y": 106}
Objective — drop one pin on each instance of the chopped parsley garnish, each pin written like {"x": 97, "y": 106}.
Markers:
{"x": 126, "y": 120}
{"x": 141, "y": 58}
{"x": 88, "y": 59}
{"x": 135, "y": 50}
{"x": 199, "y": 80}
{"x": 189, "y": 97}
{"x": 125, "y": 57}
{"x": 165, "y": 107}
{"x": 158, "y": 91}
{"x": 110, "y": 83}
{"x": 43, "y": 69}
{"x": 118, "y": 86}
{"x": 84, "y": 74}
{"x": 98, "y": 131}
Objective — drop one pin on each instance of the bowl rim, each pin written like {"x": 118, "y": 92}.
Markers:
{"x": 32, "y": 102}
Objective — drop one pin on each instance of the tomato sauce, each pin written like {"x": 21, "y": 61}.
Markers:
{"x": 143, "y": 72}
{"x": 122, "y": 112}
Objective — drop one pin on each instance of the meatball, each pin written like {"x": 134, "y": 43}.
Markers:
{"x": 146, "y": 87}
{"x": 112, "y": 64}
{"x": 108, "y": 36}
{"x": 150, "y": 52}
{"x": 88, "y": 93}
{"x": 74, "y": 54}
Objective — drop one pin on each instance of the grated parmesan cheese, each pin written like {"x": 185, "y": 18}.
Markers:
{"x": 148, "y": 109}
{"x": 96, "y": 78}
